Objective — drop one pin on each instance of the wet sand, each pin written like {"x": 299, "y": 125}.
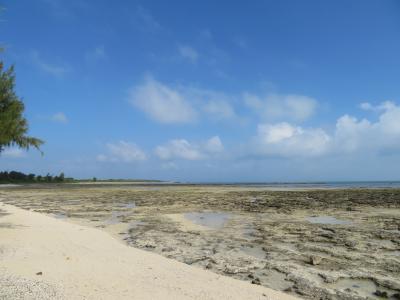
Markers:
{"x": 315, "y": 244}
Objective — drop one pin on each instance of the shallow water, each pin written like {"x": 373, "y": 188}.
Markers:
{"x": 118, "y": 214}
{"x": 129, "y": 205}
{"x": 327, "y": 220}
{"x": 249, "y": 233}
{"x": 363, "y": 287}
{"x": 254, "y": 251}
{"x": 215, "y": 220}
{"x": 60, "y": 215}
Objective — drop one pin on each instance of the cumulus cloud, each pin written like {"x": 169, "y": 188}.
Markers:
{"x": 366, "y": 106}
{"x": 181, "y": 104}
{"x": 284, "y": 139}
{"x": 188, "y": 53}
{"x": 13, "y": 152}
{"x": 59, "y": 117}
{"x": 384, "y": 134}
{"x": 122, "y": 152}
{"x": 350, "y": 136}
{"x": 182, "y": 149}
{"x": 377, "y": 108}
{"x": 214, "y": 145}
{"x": 162, "y": 103}
{"x": 281, "y": 107}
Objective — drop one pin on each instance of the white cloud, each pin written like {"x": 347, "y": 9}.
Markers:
{"x": 53, "y": 69}
{"x": 350, "y": 136}
{"x": 363, "y": 135}
{"x": 377, "y": 108}
{"x": 188, "y": 53}
{"x": 366, "y": 106}
{"x": 178, "y": 149}
{"x": 182, "y": 149}
{"x": 59, "y": 118}
{"x": 13, "y": 152}
{"x": 350, "y": 133}
{"x": 281, "y": 107}
{"x": 214, "y": 145}
{"x": 122, "y": 152}
{"x": 162, "y": 103}
{"x": 284, "y": 139}
{"x": 180, "y": 104}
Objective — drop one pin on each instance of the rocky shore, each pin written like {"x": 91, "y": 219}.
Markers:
{"x": 316, "y": 244}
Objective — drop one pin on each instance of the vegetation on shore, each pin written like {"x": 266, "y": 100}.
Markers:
{"x": 19, "y": 177}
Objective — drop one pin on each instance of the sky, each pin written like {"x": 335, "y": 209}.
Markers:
{"x": 207, "y": 91}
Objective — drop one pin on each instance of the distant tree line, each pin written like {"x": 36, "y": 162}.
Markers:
{"x": 19, "y": 177}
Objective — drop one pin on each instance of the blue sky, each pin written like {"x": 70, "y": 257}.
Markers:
{"x": 208, "y": 90}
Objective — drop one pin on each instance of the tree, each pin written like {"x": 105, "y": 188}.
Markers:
{"x": 49, "y": 178}
{"x": 13, "y": 125}
{"x": 61, "y": 177}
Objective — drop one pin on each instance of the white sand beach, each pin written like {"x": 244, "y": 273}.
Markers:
{"x": 46, "y": 258}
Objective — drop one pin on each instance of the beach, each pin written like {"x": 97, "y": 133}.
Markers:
{"x": 305, "y": 242}
{"x": 45, "y": 258}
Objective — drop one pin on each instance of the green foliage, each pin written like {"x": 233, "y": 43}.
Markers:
{"x": 13, "y": 125}
{"x": 19, "y": 177}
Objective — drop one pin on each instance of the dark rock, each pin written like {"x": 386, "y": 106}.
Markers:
{"x": 39, "y": 273}
{"x": 381, "y": 294}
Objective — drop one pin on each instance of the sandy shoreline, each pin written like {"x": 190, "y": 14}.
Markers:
{"x": 78, "y": 262}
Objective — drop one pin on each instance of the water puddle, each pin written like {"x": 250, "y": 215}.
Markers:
{"x": 255, "y": 251}
{"x": 129, "y": 205}
{"x": 250, "y": 234}
{"x": 135, "y": 224}
{"x": 395, "y": 253}
{"x": 327, "y": 220}
{"x": 215, "y": 220}
{"x": 117, "y": 215}
{"x": 277, "y": 280}
{"x": 60, "y": 215}
{"x": 364, "y": 288}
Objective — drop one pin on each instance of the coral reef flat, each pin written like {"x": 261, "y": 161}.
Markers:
{"x": 311, "y": 243}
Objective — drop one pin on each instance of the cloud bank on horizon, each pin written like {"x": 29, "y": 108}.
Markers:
{"x": 147, "y": 97}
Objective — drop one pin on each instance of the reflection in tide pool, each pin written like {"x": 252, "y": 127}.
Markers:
{"x": 365, "y": 288}
{"x": 215, "y": 220}
{"x": 327, "y": 220}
